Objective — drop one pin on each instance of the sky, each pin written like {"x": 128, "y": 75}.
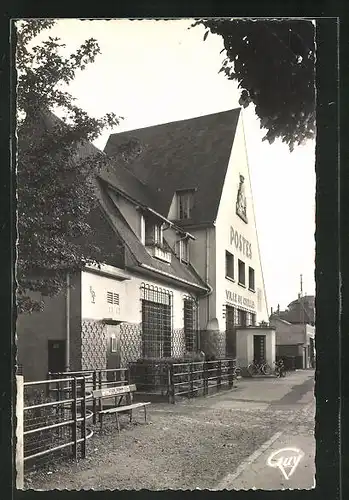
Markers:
{"x": 151, "y": 72}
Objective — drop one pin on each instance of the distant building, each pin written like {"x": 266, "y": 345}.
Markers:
{"x": 187, "y": 271}
{"x": 295, "y": 331}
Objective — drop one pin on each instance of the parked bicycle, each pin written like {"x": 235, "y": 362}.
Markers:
{"x": 259, "y": 368}
{"x": 280, "y": 370}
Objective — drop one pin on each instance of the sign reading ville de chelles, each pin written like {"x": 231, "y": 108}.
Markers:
{"x": 239, "y": 299}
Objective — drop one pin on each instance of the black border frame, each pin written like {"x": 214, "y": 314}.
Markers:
{"x": 331, "y": 293}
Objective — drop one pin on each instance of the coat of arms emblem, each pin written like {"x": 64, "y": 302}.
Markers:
{"x": 241, "y": 205}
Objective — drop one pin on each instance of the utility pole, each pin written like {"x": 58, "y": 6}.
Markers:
{"x": 301, "y": 312}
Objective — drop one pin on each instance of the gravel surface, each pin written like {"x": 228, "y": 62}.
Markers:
{"x": 184, "y": 446}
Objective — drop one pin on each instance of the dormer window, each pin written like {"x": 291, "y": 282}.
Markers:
{"x": 153, "y": 233}
{"x": 184, "y": 203}
{"x": 183, "y": 250}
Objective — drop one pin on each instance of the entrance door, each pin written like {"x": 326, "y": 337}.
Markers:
{"x": 56, "y": 356}
{"x": 230, "y": 332}
{"x": 114, "y": 351}
{"x": 259, "y": 348}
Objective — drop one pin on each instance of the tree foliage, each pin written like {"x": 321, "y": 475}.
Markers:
{"x": 274, "y": 65}
{"x": 56, "y": 165}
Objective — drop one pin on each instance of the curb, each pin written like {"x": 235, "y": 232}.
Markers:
{"x": 222, "y": 485}
{"x": 226, "y": 481}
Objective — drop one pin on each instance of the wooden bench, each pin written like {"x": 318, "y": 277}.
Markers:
{"x": 119, "y": 393}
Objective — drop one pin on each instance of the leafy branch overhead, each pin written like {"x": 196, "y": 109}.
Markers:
{"x": 56, "y": 167}
{"x": 274, "y": 65}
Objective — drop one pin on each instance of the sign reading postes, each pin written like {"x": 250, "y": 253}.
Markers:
{"x": 240, "y": 243}
{"x": 239, "y": 299}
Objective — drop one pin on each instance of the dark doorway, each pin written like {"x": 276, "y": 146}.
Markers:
{"x": 230, "y": 332}
{"x": 113, "y": 352}
{"x": 56, "y": 356}
{"x": 259, "y": 348}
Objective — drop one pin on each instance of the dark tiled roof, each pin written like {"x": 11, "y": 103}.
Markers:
{"x": 138, "y": 255}
{"x": 185, "y": 154}
{"x": 122, "y": 179}
{"x": 121, "y": 245}
{"x": 115, "y": 171}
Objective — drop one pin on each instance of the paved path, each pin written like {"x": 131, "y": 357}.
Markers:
{"x": 287, "y": 459}
{"x": 219, "y": 442}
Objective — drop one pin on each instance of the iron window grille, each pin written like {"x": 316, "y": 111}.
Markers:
{"x": 157, "y": 319}
{"x": 229, "y": 265}
{"x": 251, "y": 283}
{"x": 190, "y": 310}
{"x": 113, "y": 298}
{"x": 251, "y": 319}
{"x": 242, "y": 317}
{"x": 242, "y": 277}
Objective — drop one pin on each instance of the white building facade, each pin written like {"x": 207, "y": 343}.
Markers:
{"x": 188, "y": 274}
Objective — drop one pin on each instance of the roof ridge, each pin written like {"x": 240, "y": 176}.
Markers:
{"x": 175, "y": 121}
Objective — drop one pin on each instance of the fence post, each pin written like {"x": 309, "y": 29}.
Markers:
{"x": 74, "y": 417}
{"x": 94, "y": 401}
{"x": 191, "y": 391}
{"x": 171, "y": 388}
{"x": 83, "y": 414}
{"x": 100, "y": 402}
{"x": 231, "y": 372}
{"x": 205, "y": 375}
{"x": 19, "y": 432}
{"x": 219, "y": 374}
{"x": 48, "y": 385}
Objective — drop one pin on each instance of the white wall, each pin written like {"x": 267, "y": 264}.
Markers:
{"x": 227, "y": 218}
{"x": 130, "y": 307}
{"x": 244, "y": 345}
{"x": 291, "y": 334}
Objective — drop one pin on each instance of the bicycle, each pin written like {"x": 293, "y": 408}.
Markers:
{"x": 279, "y": 369}
{"x": 259, "y": 368}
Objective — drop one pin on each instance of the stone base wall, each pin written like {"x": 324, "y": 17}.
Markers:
{"x": 93, "y": 345}
{"x": 213, "y": 343}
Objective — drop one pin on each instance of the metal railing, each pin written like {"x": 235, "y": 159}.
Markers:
{"x": 189, "y": 379}
{"x": 170, "y": 378}
{"x": 56, "y": 423}
{"x": 95, "y": 379}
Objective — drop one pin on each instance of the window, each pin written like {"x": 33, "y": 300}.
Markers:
{"x": 113, "y": 344}
{"x": 113, "y": 298}
{"x": 190, "y": 324}
{"x": 229, "y": 265}
{"x": 156, "y": 321}
{"x": 184, "y": 204}
{"x": 251, "y": 319}
{"x": 242, "y": 278}
{"x": 184, "y": 250}
{"x": 242, "y": 321}
{"x": 153, "y": 233}
{"x": 251, "y": 278}
{"x": 142, "y": 229}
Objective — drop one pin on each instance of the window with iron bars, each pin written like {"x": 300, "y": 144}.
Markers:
{"x": 156, "y": 321}
{"x": 190, "y": 323}
{"x": 251, "y": 319}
